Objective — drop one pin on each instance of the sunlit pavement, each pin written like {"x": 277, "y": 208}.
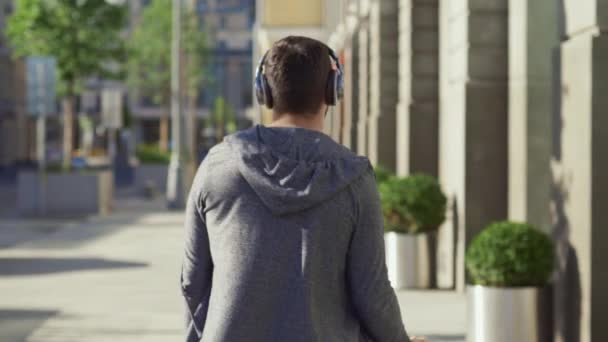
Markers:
{"x": 438, "y": 315}
{"x": 116, "y": 279}
{"x": 100, "y": 279}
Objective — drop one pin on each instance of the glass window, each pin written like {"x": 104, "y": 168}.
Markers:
{"x": 237, "y": 21}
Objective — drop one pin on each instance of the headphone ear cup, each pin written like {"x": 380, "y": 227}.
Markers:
{"x": 268, "y": 100}
{"x": 259, "y": 91}
{"x": 331, "y": 90}
{"x": 339, "y": 87}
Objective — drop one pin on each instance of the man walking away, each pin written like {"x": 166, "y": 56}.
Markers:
{"x": 284, "y": 232}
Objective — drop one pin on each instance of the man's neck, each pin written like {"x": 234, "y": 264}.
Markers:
{"x": 314, "y": 122}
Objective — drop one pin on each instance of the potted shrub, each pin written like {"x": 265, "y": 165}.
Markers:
{"x": 413, "y": 208}
{"x": 509, "y": 299}
{"x": 151, "y": 173}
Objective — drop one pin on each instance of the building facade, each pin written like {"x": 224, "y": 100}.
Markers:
{"x": 501, "y": 100}
{"x": 228, "y": 25}
{"x": 16, "y": 140}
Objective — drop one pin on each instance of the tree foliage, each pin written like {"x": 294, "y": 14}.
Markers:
{"x": 150, "y": 52}
{"x": 83, "y": 36}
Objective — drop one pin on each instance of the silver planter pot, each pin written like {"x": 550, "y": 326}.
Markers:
{"x": 408, "y": 260}
{"x": 509, "y": 314}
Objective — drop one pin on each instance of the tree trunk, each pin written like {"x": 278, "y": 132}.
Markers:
{"x": 68, "y": 130}
{"x": 192, "y": 129}
{"x": 163, "y": 143}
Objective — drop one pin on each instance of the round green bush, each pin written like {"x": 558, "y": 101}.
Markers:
{"x": 382, "y": 174}
{"x": 509, "y": 254}
{"x": 413, "y": 204}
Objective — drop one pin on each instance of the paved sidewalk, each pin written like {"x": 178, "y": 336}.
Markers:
{"x": 438, "y": 315}
{"x": 116, "y": 279}
{"x": 112, "y": 279}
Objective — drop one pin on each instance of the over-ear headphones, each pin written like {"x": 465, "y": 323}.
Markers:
{"x": 334, "y": 91}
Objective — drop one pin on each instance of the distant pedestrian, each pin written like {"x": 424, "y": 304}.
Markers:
{"x": 284, "y": 232}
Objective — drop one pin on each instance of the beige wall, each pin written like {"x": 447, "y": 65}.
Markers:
{"x": 292, "y": 13}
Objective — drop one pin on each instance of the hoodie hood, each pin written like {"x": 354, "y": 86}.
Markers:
{"x": 292, "y": 169}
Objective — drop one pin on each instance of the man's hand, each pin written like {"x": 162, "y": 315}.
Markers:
{"x": 418, "y": 339}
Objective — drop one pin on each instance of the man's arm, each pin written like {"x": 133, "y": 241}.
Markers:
{"x": 197, "y": 267}
{"x": 371, "y": 293}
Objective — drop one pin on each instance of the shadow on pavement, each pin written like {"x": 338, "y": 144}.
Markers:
{"x": 10, "y": 266}
{"x": 17, "y": 325}
{"x": 62, "y": 234}
{"x": 69, "y": 232}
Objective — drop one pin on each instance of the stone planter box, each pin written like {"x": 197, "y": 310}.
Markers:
{"x": 509, "y": 314}
{"x": 408, "y": 260}
{"x": 65, "y": 194}
{"x": 149, "y": 176}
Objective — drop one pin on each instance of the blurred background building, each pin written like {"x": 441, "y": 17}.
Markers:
{"x": 228, "y": 27}
{"x": 229, "y": 23}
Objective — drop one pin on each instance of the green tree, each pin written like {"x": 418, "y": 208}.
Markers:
{"x": 150, "y": 60}
{"x": 83, "y": 36}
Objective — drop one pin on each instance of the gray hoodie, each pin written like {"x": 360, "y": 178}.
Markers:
{"x": 284, "y": 243}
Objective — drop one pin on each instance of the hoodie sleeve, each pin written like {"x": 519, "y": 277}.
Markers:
{"x": 197, "y": 268}
{"x": 372, "y": 296}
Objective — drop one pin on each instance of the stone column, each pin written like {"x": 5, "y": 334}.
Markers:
{"x": 531, "y": 75}
{"x": 351, "y": 91}
{"x": 363, "y": 85}
{"x": 417, "y": 111}
{"x": 383, "y": 83}
{"x": 473, "y": 125}
{"x": 580, "y": 193}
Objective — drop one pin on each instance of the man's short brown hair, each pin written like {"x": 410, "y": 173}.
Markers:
{"x": 297, "y": 69}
